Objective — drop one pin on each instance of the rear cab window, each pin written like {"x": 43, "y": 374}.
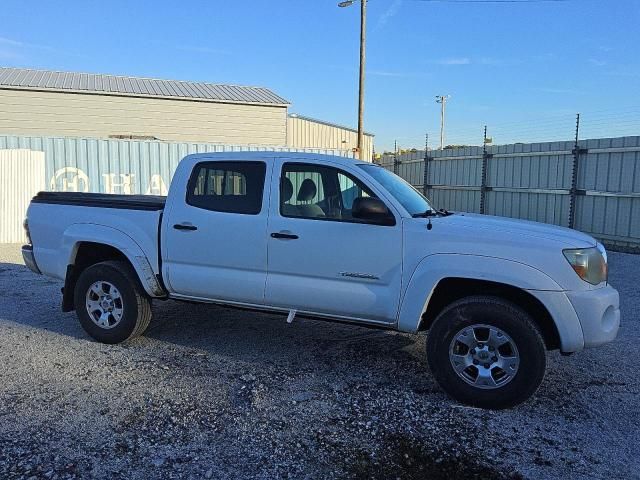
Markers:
{"x": 232, "y": 187}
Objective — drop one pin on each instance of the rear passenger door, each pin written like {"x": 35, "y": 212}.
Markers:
{"x": 216, "y": 237}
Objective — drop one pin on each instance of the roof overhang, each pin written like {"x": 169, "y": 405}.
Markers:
{"x": 329, "y": 124}
{"x": 141, "y": 95}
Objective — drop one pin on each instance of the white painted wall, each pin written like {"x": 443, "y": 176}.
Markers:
{"x": 22, "y": 175}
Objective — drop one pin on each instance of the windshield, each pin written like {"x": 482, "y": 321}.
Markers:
{"x": 410, "y": 198}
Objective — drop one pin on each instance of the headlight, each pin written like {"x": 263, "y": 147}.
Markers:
{"x": 589, "y": 263}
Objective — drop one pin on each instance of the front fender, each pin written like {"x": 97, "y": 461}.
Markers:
{"x": 77, "y": 233}
{"x": 434, "y": 268}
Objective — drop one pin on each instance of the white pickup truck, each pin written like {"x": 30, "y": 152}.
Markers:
{"x": 336, "y": 239}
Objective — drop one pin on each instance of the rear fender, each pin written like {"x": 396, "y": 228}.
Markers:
{"x": 75, "y": 234}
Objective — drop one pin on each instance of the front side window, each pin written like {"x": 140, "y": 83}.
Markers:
{"x": 234, "y": 187}
{"x": 319, "y": 192}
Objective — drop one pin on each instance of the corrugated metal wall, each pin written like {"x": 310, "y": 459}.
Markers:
{"x": 303, "y": 132}
{"x": 533, "y": 182}
{"x": 21, "y": 177}
{"x": 27, "y": 112}
{"x": 93, "y": 165}
{"x": 119, "y": 166}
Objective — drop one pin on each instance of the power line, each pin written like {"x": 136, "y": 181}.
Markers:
{"x": 551, "y": 122}
{"x": 607, "y": 122}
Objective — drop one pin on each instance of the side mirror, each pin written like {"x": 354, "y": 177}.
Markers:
{"x": 372, "y": 210}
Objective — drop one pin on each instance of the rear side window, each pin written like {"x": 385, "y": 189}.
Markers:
{"x": 234, "y": 187}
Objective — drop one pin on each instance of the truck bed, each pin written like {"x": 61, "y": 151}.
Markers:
{"x": 58, "y": 220}
{"x": 103, "y": 200}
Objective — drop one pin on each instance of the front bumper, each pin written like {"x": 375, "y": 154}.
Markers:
{"x": 30, "y": 259}
{"x": 599, "y": 314}
{"x": 584, "y": 318}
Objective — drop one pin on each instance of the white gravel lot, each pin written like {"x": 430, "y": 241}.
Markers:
{"x": 210, "y": 392}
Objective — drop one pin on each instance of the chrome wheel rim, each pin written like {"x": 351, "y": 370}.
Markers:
{"x": 105, "y": 305}
{"x": 484, "y": 356}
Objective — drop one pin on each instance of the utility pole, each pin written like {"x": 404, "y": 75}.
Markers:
{"x": 396, "y": 167}
{"x": 363, "y": 29}
{"x": 442, "y": 100}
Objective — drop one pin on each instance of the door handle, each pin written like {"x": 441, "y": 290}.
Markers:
{"x": 179, "y": 226}
{"x": 287, "y": 236}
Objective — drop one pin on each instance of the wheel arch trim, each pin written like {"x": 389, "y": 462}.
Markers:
{"x": 433, "y": 269}
{"x": 77, "y": 234}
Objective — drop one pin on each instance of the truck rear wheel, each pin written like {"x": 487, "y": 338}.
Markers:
{"x": 110, "y": 302}
{"x": 486, "y": 352}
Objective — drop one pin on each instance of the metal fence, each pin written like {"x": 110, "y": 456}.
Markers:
{"x": 590, "y": 185}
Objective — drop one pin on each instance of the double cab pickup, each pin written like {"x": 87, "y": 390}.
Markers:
{"x": 335, "y": 239}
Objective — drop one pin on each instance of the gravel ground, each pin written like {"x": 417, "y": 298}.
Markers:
{"x": 211, "y": 392}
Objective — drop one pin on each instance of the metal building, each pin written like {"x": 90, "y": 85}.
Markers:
{"x": 67, "y": 104}
{"x": 306, "y": 132}
{"x": 37, "y": 102}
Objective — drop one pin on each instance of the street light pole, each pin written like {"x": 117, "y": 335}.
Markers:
{"x": 363, "y": 24}
{"x": 363, "y": 28}
{"x": 442, "y": 100}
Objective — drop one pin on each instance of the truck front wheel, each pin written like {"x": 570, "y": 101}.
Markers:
{"x": 486, "y": 352}
{"x": 110, "y": 302}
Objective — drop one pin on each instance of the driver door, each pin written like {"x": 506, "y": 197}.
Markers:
{"x": 320, "y": 259}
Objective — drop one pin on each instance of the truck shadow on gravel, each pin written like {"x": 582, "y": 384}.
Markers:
{"x": 267, "y": 339}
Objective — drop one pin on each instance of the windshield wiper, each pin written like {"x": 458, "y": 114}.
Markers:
{"x": 432, "y": 213}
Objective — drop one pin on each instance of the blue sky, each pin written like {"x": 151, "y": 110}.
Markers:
{"x": 523, "y": 69}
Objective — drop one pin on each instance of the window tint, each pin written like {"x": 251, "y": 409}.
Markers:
{"x": 318, "y": 192}
{"x": 234, "y": 187}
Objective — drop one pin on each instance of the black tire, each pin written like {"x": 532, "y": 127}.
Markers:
{"x": 506, "y": 316}
{"x": 136, "y": 304}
